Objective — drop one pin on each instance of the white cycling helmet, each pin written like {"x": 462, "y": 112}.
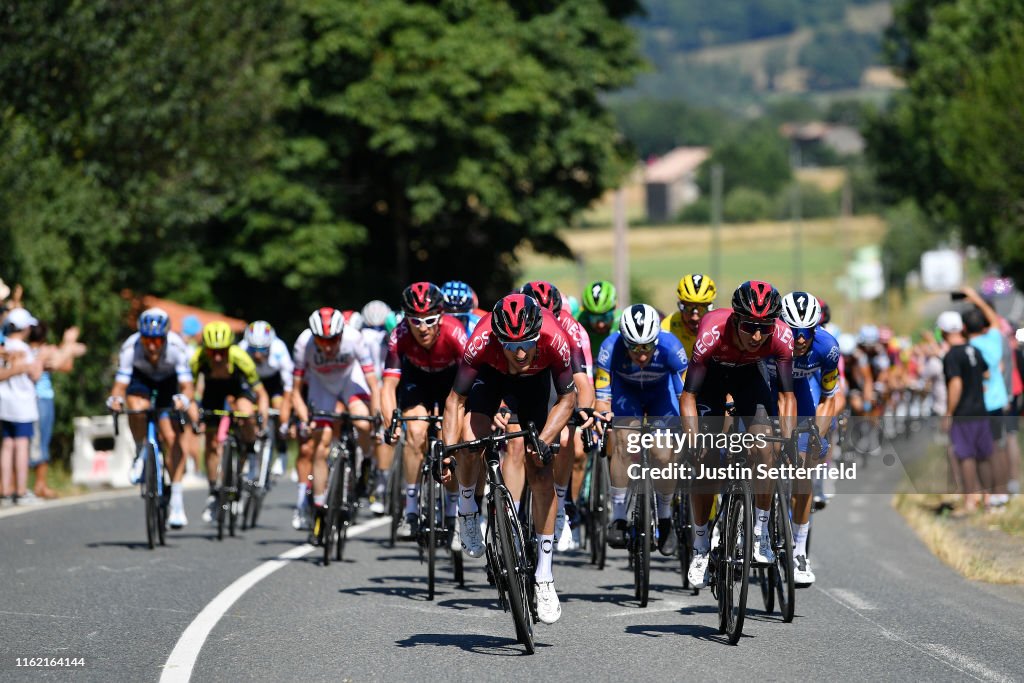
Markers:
{"x": 869, "y": 334}
{"x": 801, "y": 310}
{"x": 640, "y": 324}
{"x": 375, "y": 313}
{"x": 847, "y": 344}
{"x": 259, "y": 335}
{"x": 326, "y": 322}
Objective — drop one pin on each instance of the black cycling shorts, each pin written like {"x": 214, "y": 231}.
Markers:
{"x": 528, "y": 397}
{"x": 142, "y": 385}
{"x": 747, "y": 384}
{"x": 217, "y": 391}
{"x": 273, "y": 384}
{"x": 419, "y": 388}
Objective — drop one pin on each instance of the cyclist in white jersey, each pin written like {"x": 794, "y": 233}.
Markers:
{"x": 275, "y": 367}
{"x": 375, "y": 334}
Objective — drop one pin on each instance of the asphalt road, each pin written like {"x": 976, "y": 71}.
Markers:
{"x": 79, "y": 582}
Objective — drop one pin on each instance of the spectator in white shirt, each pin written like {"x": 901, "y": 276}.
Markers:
{"x": 18, "y": 408}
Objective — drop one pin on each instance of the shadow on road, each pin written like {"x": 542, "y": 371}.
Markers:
{"x": 474, "y": 643}
{"x": 694, "y": 630}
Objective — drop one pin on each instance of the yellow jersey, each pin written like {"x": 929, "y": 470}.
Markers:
{"x": 674, "y": 324}
{"x": 241, "y": 366}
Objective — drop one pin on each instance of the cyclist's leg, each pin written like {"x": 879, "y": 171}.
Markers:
{"x": 412, "y": 458}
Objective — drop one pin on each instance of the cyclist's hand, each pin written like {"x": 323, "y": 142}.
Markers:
{"x": 502, "y": 418}
{"x": 586, "y": 417}
{"x": 284, "y": 431}
{"x": 602, "y": 420}
{"x": 447, "y": 470}
{"x": 545, "y": 454}
{"x": 181, "y": 402}
{"x": 390, "y": 437}
{"x": 115, "y": 404}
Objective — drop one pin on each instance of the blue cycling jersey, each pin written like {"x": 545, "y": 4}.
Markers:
{"x": 633, "y": 390}
{"x": 468, "y": 320}
{"x": 815, "y": 374}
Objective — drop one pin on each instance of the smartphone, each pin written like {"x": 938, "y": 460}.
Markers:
{"x": 957, "y": 296}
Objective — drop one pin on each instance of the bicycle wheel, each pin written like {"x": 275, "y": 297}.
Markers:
{"x": 681, "y": 511}
{"x": 512, "y": 553}
{"x": 162, "y": 506}
{"x": 149, "y": 498}
{"x": 395, "y": 491}
{"x": 641, "y": 543}
{"x": 782, "y": 543}
{"x": 737, "y": 548}
{"x": 599, "y": 511}
{"x": 331, "y": 507}
{"x": 345, "y": 508}
{"x": 235, "y": 491}
{"x": 428, "y": 525}
{"x": 766, "y": 580}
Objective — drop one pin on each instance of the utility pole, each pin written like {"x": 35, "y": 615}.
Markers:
{"x": 621, "y": 230}
{"x": 845, "y": 211}
{"x": 798, "y": 237}
{"x": 716, "y": 221}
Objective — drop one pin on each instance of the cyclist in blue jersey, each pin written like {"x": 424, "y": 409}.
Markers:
{"x": 640, "y": 372}
{"x": 458, "y": 301}
{"x": 815, "y": 383}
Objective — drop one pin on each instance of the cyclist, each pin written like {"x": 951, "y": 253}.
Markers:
{"x": 567, "y": 460}
{"x": 599, "y": 317}
{"x": 229, "y": 379}
{"x": 640, "y": 373}
{"x": 375, "y": 334}
{"x": 515, "y": 354}
{"x": 459, "y": 301}
{"x": 154, "y": 360}
{"x": 423, "y": 355}
{"x": 337, "y": 372}
{"x": 696, "y": 293}
{"x": 275, "y": 367}
{"x": 727, "y": 359}
{"x": 815, "y": 384}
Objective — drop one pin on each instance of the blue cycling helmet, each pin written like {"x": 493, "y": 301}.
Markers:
{"x": 458, "y": 297}
{"x": 154, "y": 322}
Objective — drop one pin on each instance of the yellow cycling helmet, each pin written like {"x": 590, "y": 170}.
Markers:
{"x": 218, "y": 335}
{"x": 696, "y": 288}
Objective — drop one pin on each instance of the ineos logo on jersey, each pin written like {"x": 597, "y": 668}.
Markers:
{"x": 475, "y": 344}
{"x": 785, "y": 335}
{"x": 708, "y": 339}
{"x": 563, "y": 351}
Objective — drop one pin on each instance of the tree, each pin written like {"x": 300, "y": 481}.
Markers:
{"x": 755, "y": 156}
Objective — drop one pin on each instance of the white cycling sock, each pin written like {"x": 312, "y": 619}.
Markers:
{"x": 451, "y": 504}
{"x": 664, "y": 505}
{"x": 800, "y": 538}
{"x": 300, "y": 502}
{"x": 618, "y": 502}
{"x": 515, "y": 504}
{"x": 412, "y": 492}
{"x": 319, "y": 500}
{"x": 383, "y": 477}
{"x": 560, "y": 492}
{"x": 467, "y": 500}
{"x": 760, "y": 522}
{"x": 545, "y": 546}
{"x": 701, "y": 538}
{"x": 176, "y": 500}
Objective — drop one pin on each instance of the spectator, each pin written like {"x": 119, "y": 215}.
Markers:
{"x": 966, "y": 419}
{"x": 18, "y": 408}
{"x": 53, "y": 359}
{"x": 982, "y": 325}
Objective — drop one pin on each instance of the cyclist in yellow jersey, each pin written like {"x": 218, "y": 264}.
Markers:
{"x": 232, "y": 382}
{"x": 696, "y": 293}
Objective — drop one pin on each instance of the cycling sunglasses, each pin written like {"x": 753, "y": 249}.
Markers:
{"x": 325, "y": 342}
{"x": 513, "y": 347}
{"x": 428, "y": 321}
{"x": 640, "y": 348}
{"x": 602, "y": 317}
{"x": 259, "y": 349}
{"x": 690, "y": 309}
{"x": 753, "y": 327}
{"x": 803, "y": 332}
{"x": 154, "y": 342}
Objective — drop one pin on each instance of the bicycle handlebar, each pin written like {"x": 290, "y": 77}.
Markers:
{"x": 180, "y": 414}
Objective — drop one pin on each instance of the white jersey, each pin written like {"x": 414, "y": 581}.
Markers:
{"x": 377, "y": 342}
{"x": 277, "y": 362}
{"x": 331, "y": 372}
{"x": 173, "y": 360}
{"x": 18, "y": 393}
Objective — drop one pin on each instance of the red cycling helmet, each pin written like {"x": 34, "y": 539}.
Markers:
{"x": 516, "y": 317}
{"x": 757, "y": 300}
{"x": 546, "y": 294}
{"x": 422, "y": 298}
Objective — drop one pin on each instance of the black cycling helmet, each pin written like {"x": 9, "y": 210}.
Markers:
{"x": 422, "y": 298}
{"x": 757, "y": 300}
{"x": 546, "y": 294}
{"x": 516, "y": 317}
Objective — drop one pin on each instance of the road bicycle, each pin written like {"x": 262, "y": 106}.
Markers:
{"x": 257, "y": 483}
{"x": 229, "y": 482}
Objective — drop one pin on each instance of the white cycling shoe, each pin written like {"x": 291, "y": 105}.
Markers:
{"x": 763, "y": 553}
{"x": 549, "y": 610}
{"x": 176, "y": 519}
{"x": 469, "y": 533}
{"x": 211, "y": 506}
{"x": 698, "y": 572}
{"x": 802, "y": 573}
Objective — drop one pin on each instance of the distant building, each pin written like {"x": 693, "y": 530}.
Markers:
{"x": 671, "y": 182}
{"x": 810, "y": 138}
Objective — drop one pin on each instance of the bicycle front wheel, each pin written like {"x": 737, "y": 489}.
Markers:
{"x": 782, "y": 542}
{"x": 599, "y": 511}
{"x": 331, "y": 510}
{"x": 737, "y": 544}
{"x": 149, "y": 496}
{"x": 641, "y": 544}
{"x": 513, "y": 558}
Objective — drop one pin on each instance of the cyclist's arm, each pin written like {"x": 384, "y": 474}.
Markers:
{"x": 262, "y": 402}
{"x": 388, "y": 397}
{"x": 688, "y": 411}
{"x": 454, "y": 415}
{"x": 297, "y": 405}
{"x": 374, "y": 387}
{"x": 188, "y": 388}
{"x": 558, "y": 417}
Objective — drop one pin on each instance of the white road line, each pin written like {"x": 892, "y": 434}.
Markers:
{"x": 182, "y": 660}
{"x": 850, "y": 598}
{"x": 893, "y": 635}
{"x": 969, "y": 663}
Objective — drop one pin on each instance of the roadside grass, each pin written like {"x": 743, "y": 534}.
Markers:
{"x": 58, "y": 478}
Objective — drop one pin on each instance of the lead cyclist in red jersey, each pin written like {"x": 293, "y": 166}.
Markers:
{"x": 727, "y": 360}
{"x": 514, "y": 355}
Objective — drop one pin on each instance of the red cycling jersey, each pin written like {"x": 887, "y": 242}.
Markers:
{"x": 445, "y": 352}
{"x": 580, "y": 340}
{"x": 554, "y": 353}
{"x": 715, "y": 344}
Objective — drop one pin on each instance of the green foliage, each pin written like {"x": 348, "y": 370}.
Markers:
{"x": 756, "y": 156}
{"x": 699, "y": 212}
{"x": 814, "y": 201}
{"x": 837, "y": 57}
{"x": 656, "y": 126}
{"x": 908, "y": 237}
{"x": 745, "y": 205}
{"x": 952, "y": 141}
